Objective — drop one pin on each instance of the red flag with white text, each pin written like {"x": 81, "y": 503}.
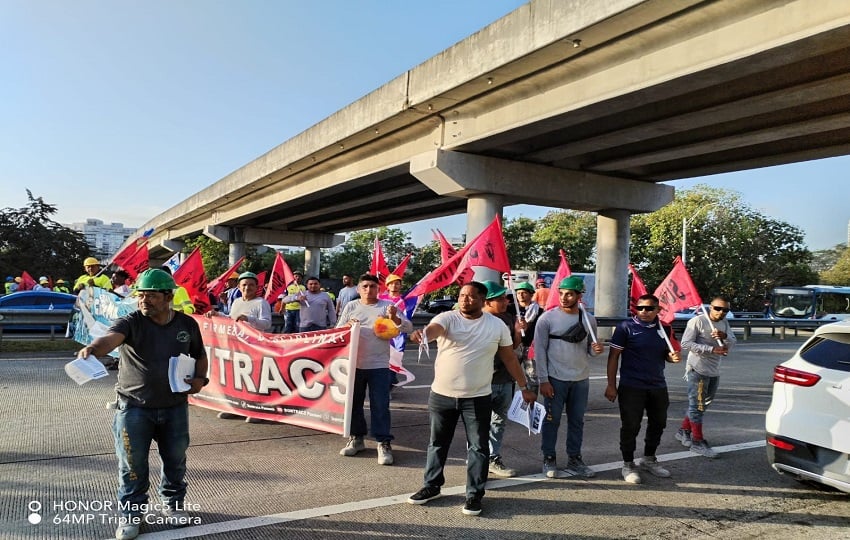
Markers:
{"x": 554, "y": 299}
{"x": 280, "y": 278}
{"x": 193, "y": 278}
{"x": 636, "y": 289}
{"x": 676, "y": 292}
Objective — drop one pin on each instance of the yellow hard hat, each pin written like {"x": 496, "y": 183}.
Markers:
{"x": 91, "y": 261}
{"x": 391, "y": 278}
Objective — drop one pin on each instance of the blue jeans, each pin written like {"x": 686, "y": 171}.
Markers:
{"x": 445, "y": 412}
{"x": 134, "y": 428}
{"x": 572, "y": 397}
{"x": 292, "y": 320}
{"x": 701, "y": 390}
{"x": 378, "y": 381}
{"x": 501, "y": 399}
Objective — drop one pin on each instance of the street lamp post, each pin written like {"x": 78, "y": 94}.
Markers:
{"x": 685, "y": 223}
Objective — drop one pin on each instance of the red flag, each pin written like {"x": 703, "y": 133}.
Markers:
{"x": 636, "y": 290}
{"x": 261, "y": 280}
{"x": 133, "y": 258}
{"x": 447, "y": 250}
{"x": 554, "y": 299}
{"x": 193, "y": 278}
{"x": 281, "y": 277}
{"x": 402, "y": 267}
{"x": 216, "y": 286}
{"x": 487, "y": 250}
{"x": 27, "y": 282}
{"x": 379, "y": 263}
{"x": 676, "y": 292}
{"x": 134, "y": 263}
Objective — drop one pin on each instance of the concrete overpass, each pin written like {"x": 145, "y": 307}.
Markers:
{"x": 583, "y": 104}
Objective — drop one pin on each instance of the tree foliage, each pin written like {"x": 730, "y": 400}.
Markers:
{"x": 824, "y": 259}
{"x": 839, "y": 273}
{"x": 354, "y": 256}
{"x": 732, "y": 249}
{"x": 33, "y": 242}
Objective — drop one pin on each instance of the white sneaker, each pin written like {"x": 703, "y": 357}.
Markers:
{"x": 353, "y": 447}
{"x": 175, "y": 518}
{"x": 631, "y": 474}
{"x": 650, "y": 463}
{"x": 385, "y": 453}
{"x": 126, "y": 532}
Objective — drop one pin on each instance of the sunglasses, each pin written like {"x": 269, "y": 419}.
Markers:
{"x": 646, "y": 308}
{"x": 723, "y": 309}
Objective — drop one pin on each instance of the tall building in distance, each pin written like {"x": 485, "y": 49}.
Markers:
{"x": 103, "y": 239}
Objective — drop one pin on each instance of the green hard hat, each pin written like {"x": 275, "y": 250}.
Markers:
{"x": 494, "y": 290}
{"x": 154, "y": 279}
{"x": 248, "y": 275}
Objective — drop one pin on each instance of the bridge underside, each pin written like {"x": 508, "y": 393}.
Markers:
{"x": 651, "y": 91}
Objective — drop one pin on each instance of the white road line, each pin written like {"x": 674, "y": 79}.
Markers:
{"x": 310, "y": 513}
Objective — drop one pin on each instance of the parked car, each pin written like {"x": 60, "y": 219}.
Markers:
{"x": 38, "y": 300}
{"x": 692, "y": 312}
{"x": 439, "y": 305}
{"x": 808, "y": 423}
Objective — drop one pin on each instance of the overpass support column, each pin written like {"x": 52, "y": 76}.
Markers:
{"x": 612, "y": 263}
{"x": 312, "y": 261}
{"x": 480, "y": 211}
{"x": 236, "y": 245}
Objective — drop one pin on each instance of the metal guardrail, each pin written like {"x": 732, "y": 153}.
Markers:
{"x": 56, "y": 318}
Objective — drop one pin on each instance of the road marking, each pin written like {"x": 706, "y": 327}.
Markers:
{"x": 311, "y": 513}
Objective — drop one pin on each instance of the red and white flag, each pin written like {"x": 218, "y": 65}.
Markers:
{"x": 676, "y": 292}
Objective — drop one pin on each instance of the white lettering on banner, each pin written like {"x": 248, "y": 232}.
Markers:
{"x": 339, "y": 373}
{"x": 296, "y": 370}
{"x": 242, "y": 367}
{"x": 270, "y": 378}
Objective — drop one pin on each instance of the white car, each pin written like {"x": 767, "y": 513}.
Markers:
{"x": 808, "y": 422}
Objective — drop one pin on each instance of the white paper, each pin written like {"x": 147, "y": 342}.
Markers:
{"x": 83, "y": 370}
{"x": 529, "y": 415}
{"x": 423, "y": 345}
{"x": 179, "y": 368}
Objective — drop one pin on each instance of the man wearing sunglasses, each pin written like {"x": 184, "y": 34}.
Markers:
{"x": 708, "y": 338}
{"x": 643, "y": 388}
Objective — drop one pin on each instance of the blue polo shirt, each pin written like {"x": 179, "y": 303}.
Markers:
{"x": 643, "y": 356}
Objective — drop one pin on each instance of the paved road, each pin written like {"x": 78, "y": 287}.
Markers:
{"x": 278, "y": 481}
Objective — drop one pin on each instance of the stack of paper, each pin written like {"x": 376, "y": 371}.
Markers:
{"x": 529, "y": 415}
{"x": 83, "y": 370}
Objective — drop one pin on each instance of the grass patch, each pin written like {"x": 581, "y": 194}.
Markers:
{"x": 8, "y": 345}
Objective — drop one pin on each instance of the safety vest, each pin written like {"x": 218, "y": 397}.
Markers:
{"x": 293, "y": 289}
{"x": 182, "y": 302}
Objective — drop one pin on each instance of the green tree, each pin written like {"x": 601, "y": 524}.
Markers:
{"x": 523, "y": 251}
{"x": 33, "y": 242}
{"x": 571, "y": 230}
{"x": 354, "y": 256}
{"x": 732, "y": 249}
{"x": 824, "y": 259}
{"x": 214, "y": 254}
{"x": 839, "y": 274}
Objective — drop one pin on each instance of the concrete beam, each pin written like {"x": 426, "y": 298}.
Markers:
{"x": 274, "y": 238}
{"x": 461, "y": 175}
{"x": 172, "y": 245}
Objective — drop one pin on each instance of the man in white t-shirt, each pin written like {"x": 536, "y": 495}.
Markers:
{"x": 467, "y": 341}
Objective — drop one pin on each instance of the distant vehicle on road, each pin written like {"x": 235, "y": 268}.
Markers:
{"x": 40, "y": 301}
{"x": 810, "y": 302}
{"x": 690, "y": 313}
{"x": 439, "y": 305}
{"x": 808, "y": 422}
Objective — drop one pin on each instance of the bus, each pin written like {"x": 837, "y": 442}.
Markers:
{"x": 826, "y": 302}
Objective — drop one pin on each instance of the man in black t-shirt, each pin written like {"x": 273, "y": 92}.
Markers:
{"x": 147, "y": 408}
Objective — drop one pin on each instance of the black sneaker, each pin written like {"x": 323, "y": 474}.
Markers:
{"x": 424, "y": 495}
{"x": 472, "y": 507}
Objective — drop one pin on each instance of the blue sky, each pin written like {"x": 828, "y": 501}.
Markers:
{"x": 119, "y": 110}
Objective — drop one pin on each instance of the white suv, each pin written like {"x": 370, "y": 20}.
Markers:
{"x": 808, "y": 422}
